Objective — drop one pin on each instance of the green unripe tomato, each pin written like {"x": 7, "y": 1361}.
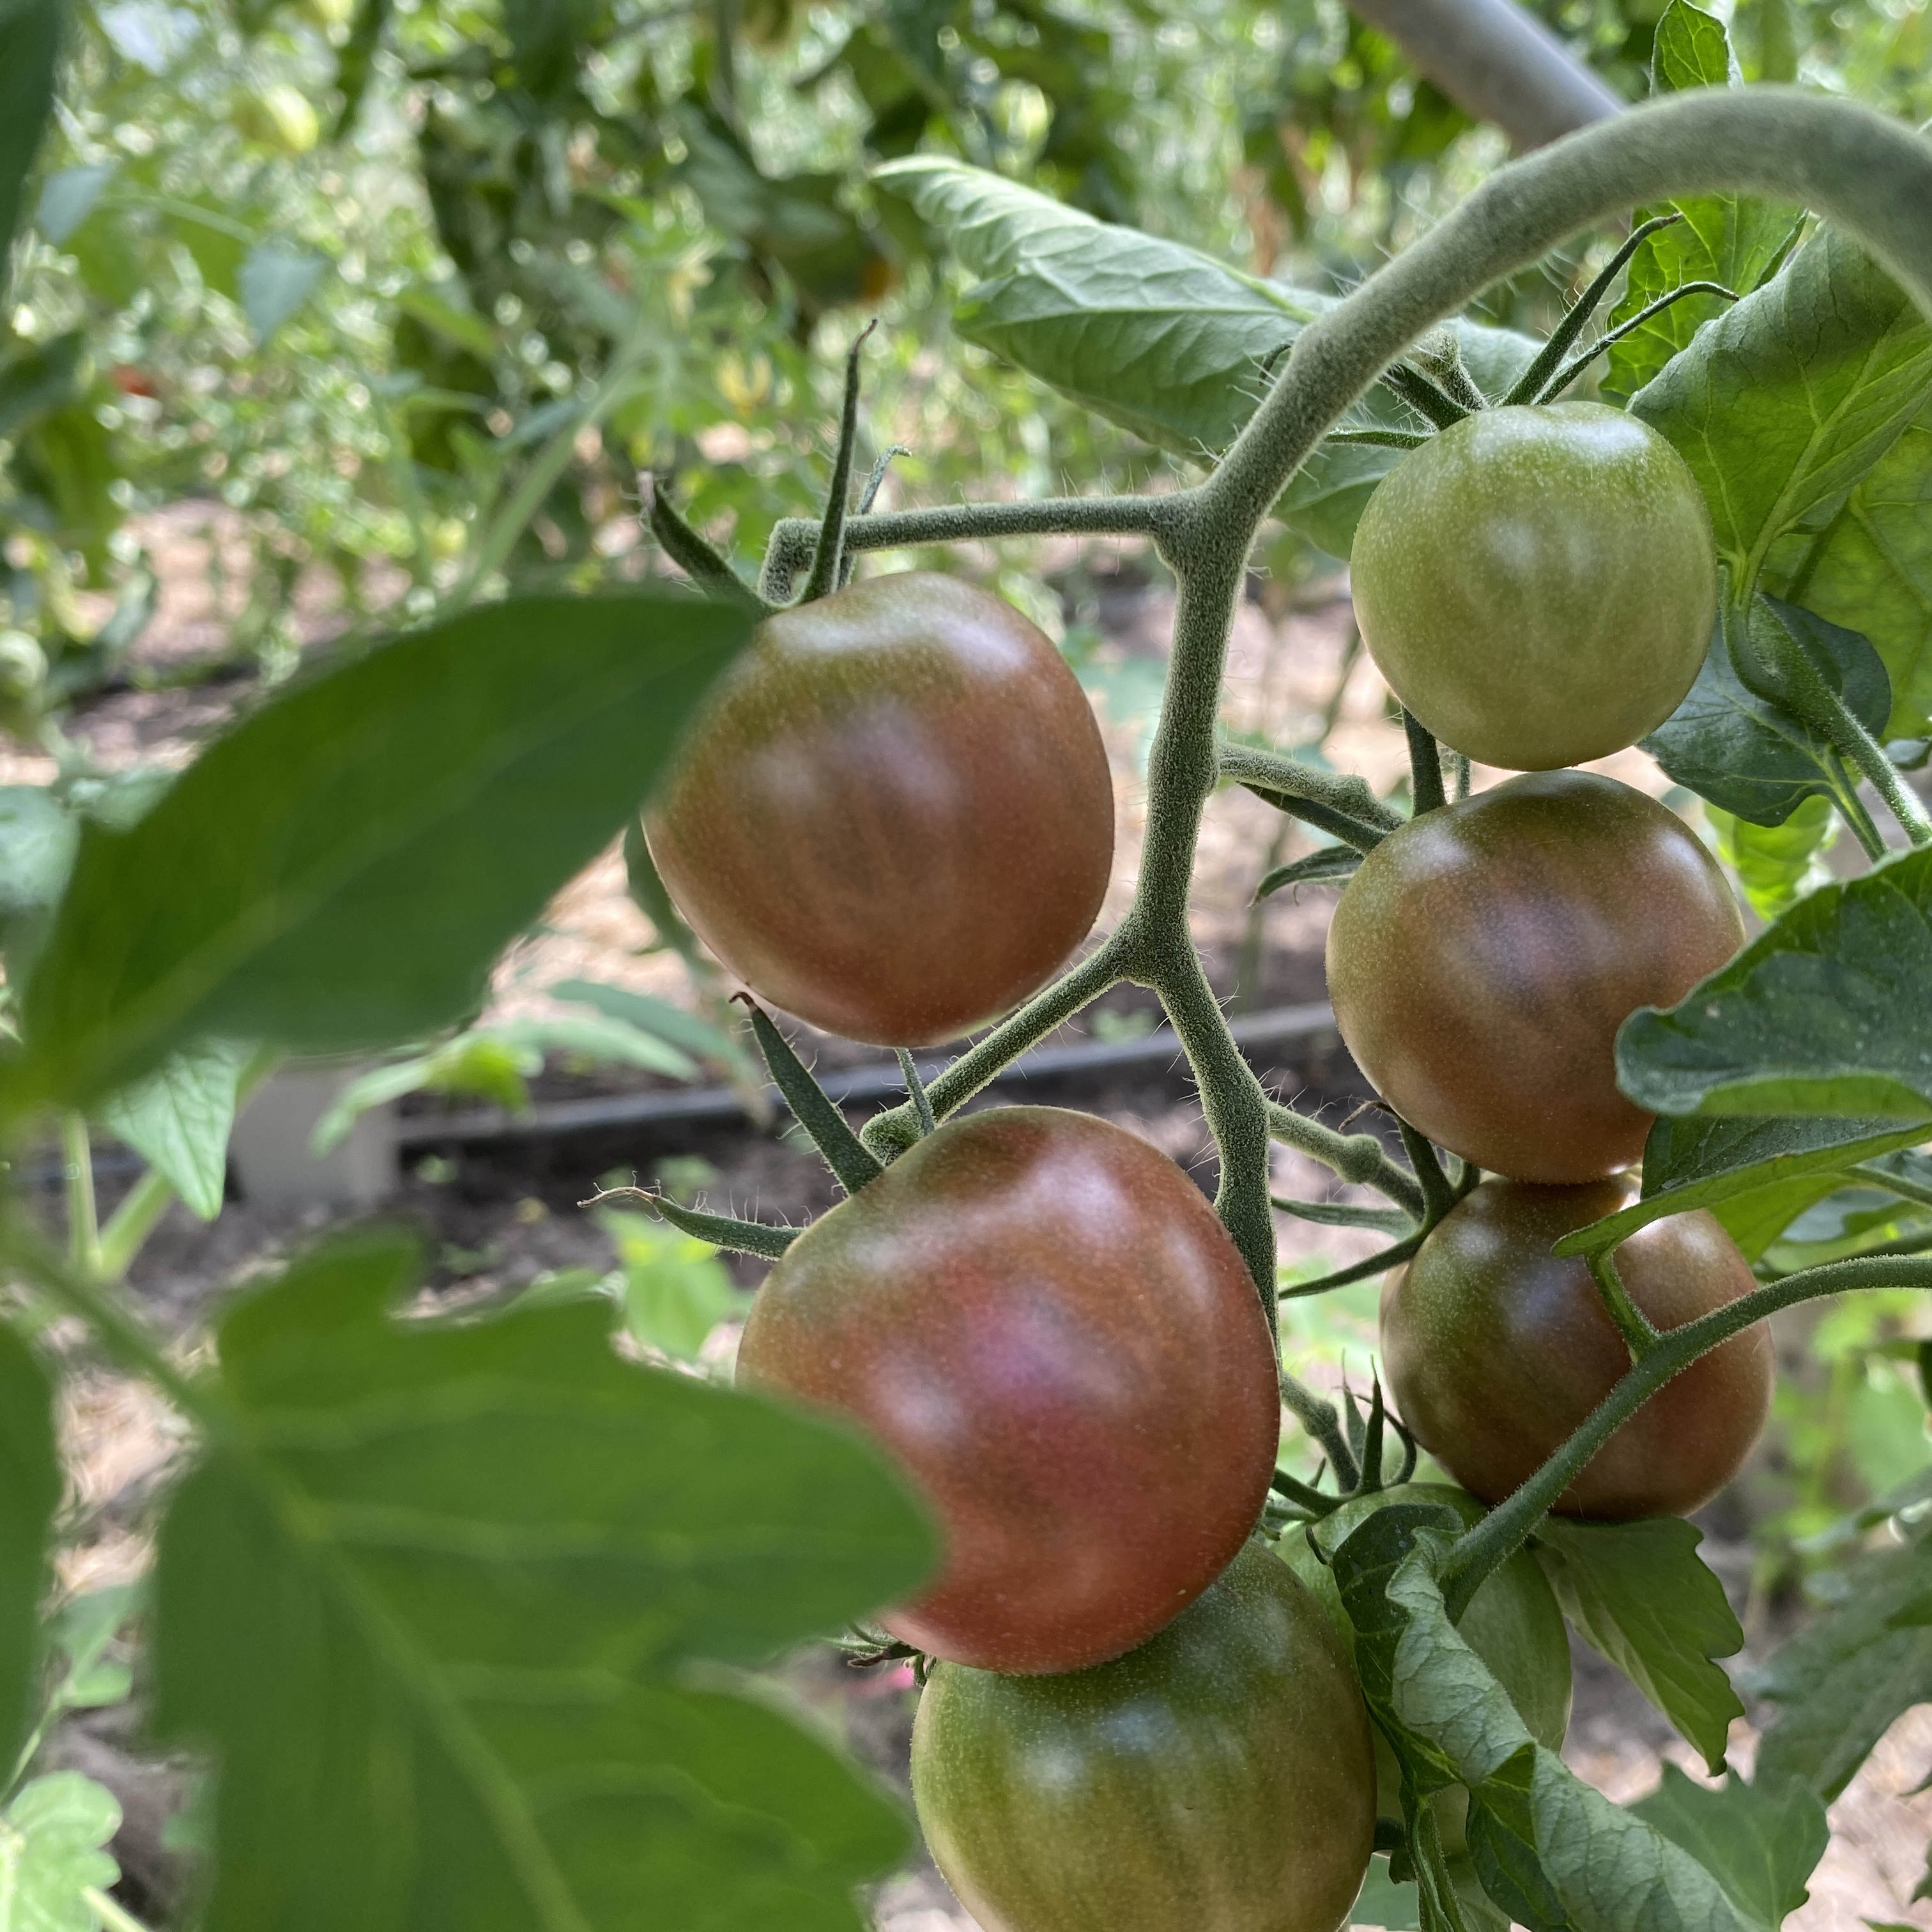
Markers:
{"x": 1218, "y": 1779}
{"x": 1538, "y": 585}
{"x": 1513, "y": 1624}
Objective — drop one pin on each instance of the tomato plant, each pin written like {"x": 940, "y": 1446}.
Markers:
{"x": 1483, "y": 956}
{"x": 453, "y": 1607}
{"x": 1536, "y": 583}
{"x": 1220, "y": 1776}
{"x": 1513, "y": 1624}
{"x": 895, "y": 819}
{"x": 1040, "y": 1315}
{"x": 1496, "y": 1351}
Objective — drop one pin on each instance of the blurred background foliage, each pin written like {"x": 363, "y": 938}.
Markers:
{"x": 406, "y": 292}
{"x": 415, "y": 287}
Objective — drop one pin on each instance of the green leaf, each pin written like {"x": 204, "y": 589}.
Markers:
{"x": 30, "y": 1492}
{"x": 179, "y": 1118}
{"x": 1823, "y": 1013}
{"x": 1332, "y": 866}
{"x": 1746, "y": 1169}
{"x": 1154, "y": 336}
{"x": 1777, "y": 864}
{"x": 84, "y": 1627}
{"x": 1782, "y": 404}
{"x": 433, "y": 1601}
{"x": 1871, "y": 570}
{"x": 651, "y": 1015}
{"x": 339, "y": 869}
{"x": 603, "y": 1040}
{"x": 36, "y": 382}
{"x": 1721, "y": 238}
{"x": 1763, "y": 1843}
{"x": 67, "y": 197}
{"x": 1638, "y": 1593}
{"x": 51, "y": 1856}
{"x": 676, "y": 1289}
{"x": 38, "y": 838}
{"x": 275, "y": 279}
{"x": 1691, "y": 48}
{"x": 1864, "y": 1661}
{"x": 1548, "y": 1849}
{"x": 30, "y": 39}
{"x": 1743, "y": 751}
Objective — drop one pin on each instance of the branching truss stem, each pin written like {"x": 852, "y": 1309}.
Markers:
{"x": 1870, "y": 176}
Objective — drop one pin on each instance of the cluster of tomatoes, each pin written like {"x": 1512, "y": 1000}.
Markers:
{"x": 896, "y": 820}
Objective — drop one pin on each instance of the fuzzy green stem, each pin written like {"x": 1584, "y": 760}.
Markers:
{"x": 828, "y": 558}
{"x": 1502, "y": 1532}
{"x": 1633, "y": 1324}
{"x": 1360, "y": 1158}
{"x": 83, "y": 1226}
{"x": 1425, "y": 766}
{"x": 794, "y": 539}
{"x": 895, "y": 1129}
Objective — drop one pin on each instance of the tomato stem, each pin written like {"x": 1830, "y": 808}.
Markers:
{"x": 1633, "y": 1324}
{"x": 1533, "y": 384}
{"x": 850, "y": 1160}
{"x": 1425, "y": 766}
{"x": 828, "y": 558}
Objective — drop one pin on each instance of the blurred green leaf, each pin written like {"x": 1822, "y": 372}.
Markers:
{"x": 179, "y": 1118}
{"x": 30, "y": 1491}
{"x": 51, "y": 1838}
{"x": 84, "y": 1627}
{"x": 1744, "y": 751}
{"x": 434, "y": 1605}
{"x": 37, "y": 839}
{"x": 1638, "y": 1593}
{"x": 67, "y": 197}
{"x": 1823, "y": 1013}
{"x": 341, "y": 867}
{"x": 1861, "y": 1662}
{"x": 36, "y": 381}
{"x": 30, "y": 39}
{"x": 651, "y": 1015}
{"x": 1762, "y": 1843}
{"x": 275, "y": 280}
{"x": 676, "y": 1289}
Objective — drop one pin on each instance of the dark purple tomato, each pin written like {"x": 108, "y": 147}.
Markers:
{"x": 1218, "y": 1779}
{"x": 894, "y": 818}
{"x": 1483, "y": 956}
{"x": 1495, "y": 1351}
{"x": 1039, "y": 1316}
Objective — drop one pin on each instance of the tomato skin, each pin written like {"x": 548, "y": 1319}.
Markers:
{"x": 1537, "y": 584}
{"x": 1040, "y": 1318}
{"x": 1496, "y": 1351}
{"x": 1513, "y": 1623}
{"x": 1483, "y": 956}
{"x": 894, "y": 817}
{"x": 1219, "y": 1778}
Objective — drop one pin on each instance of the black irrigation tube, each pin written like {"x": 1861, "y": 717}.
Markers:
{"x": 857, "y": 1083}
